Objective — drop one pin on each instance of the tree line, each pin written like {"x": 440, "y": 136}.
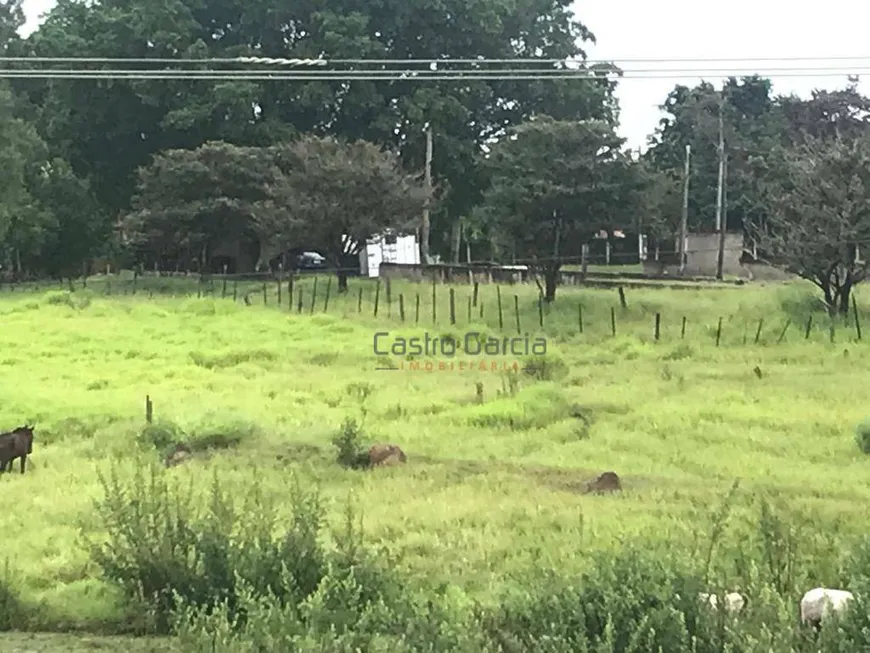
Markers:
{"x": 161, "y": 172}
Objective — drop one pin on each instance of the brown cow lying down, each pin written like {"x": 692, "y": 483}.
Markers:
{"x": 382, "y": 455}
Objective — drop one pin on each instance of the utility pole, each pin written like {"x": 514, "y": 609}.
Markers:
{"x": 721, "y": 150}
{"x": 720, "y": 196}
{"x": 427, "y": 180}
{"x": 684, "y": 222}
{"x": 720, "y": 264}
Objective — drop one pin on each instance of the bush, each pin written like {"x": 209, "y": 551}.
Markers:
{"x": 163, "y": 549}
{"x": 161, "y": 435}
{"x": 78, "y": 300}
{"x": 348, "y": 445}
{"x": 212, "y": 433}
{"x": 348, "y": 609}
{"x": 11, "y": 608}
{"x": 630, "y": 601}
{"x": 862, "y": 436}
{"x": 548, "y": 367}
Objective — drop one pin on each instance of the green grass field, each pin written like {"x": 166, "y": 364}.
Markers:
{"x": 489, "y": 490}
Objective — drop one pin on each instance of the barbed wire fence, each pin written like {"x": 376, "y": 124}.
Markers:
{"x": 452, "y": 296}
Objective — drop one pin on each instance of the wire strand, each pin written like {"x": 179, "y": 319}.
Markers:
{"x": 321, "y": 61}
{"x": 407, "y": 76}
{"x": 438, "y": 73}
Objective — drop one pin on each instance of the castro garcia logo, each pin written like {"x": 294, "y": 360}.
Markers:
{"x": 473, "y": 344}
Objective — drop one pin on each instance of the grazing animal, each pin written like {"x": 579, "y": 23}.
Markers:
{"x": 17, "y": 443}
{"x": 734, "y": 601}
{"x": 819, "y": 603}
{"x": 381, "y": 455}
{"x": 607, "y": 482}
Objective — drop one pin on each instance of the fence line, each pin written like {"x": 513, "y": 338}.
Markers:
{"x": 513, "y": 313}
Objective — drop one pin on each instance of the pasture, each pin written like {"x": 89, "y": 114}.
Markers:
{"x": 493, "y": 489}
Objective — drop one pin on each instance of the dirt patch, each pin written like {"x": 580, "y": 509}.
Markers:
{"x": 560, "y": 479}
{"x": 301, "y": 452}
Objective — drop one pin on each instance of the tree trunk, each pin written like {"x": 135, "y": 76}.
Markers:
{"x": 845, "y": 296}
{"x": 830, "y": 299}
{"x": 455, "y": 241}
{"x": 551, "y": 279}
{"x": 342, "y": 282}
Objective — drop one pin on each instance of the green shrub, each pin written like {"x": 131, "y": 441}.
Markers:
{"x": 348, "y": 606}
{"x": 220, "y": 432}
{"x": 163, "y": 547}
{"x": 212, "y": 433}
{"x": 78, "y": 300}
{"x": 11, "y": 608}
{"x": 862, "y": 436}
{"x": 160, "y": 435}
{"x": 348, "y": 445}
{"x": 629, "y": 601}
{"x": 548, "y": 367}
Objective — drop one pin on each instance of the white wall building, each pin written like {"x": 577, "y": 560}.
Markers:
{"x": 388, "y": 248}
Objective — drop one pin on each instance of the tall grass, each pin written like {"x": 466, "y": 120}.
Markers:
{"x": 486, "y": 525}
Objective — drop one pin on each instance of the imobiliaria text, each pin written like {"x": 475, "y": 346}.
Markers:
{"x": 480, "y": 365}
{"x": 487, "y": 353}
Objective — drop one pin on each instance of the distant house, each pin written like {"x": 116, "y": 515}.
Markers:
{"x": 388, "y": 248}
{"x": 702, "y": 256}
{"x": 617, "y": 247}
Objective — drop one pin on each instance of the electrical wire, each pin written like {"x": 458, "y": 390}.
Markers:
{"x": 321, "y": 61}
{"x": 594, "y": 72}
{"x": 316, "y": 72}
{"x": 409, "y": 76}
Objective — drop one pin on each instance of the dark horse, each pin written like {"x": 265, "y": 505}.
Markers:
{"x": 16, "y": 443}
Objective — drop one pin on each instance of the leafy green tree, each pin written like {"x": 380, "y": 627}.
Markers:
{"x": 189, "y": 202}
{"x": 817, "y": 198}
{"x": 77, "y": 227}
{"x": 661, "y": 203}
{"x": 553, "y": 183}
{"x": 21, "y": 152}
{"x": 839, "y": 114}
{"x": 109, "y": 129}
{"x": 338, "y": 194}
{"x": 12, "y": 18}
{"x": 752, "y": 125}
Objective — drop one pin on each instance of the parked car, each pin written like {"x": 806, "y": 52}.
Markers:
{"x": 310, "y": 261}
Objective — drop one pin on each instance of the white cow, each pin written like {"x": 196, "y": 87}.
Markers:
{"x": 819, "y": 603}
{"x": 734, "y": 602}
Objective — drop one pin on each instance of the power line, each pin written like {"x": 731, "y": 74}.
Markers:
{"x": 471, "y": 73}
{"x": 411, "y": 75}
{"x": 322, "y": 61}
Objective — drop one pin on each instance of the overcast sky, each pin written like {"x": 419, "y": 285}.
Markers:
{"x": 690, "y": 29}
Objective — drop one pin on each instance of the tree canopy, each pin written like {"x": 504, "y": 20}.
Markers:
{"x": 552, "y": 182}
{"x": 318, "y": 192}
{"x": 817, "y": 197}
{"x": 168, "y": 171}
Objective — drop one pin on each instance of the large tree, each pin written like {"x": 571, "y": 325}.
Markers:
{"x": 751, "y": 125}
{"x": 12, "y": 18}
{"x": 189, "y": 202}
{"x": 838, "y": 114}
{"x": 554, "y": 183}
{"x": 108, "y": 129}
{"x": 336, "y": 195}
{"x": 76, "y": 228}
{"x": 817, "y": 198}
{"x": 21, "y": 153}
